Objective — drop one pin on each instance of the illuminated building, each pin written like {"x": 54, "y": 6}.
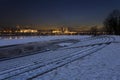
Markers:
{"x": 63, "y": 30}
{"x": 28, "y": 31}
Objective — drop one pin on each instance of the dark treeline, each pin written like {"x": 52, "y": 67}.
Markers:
{"x": 112, "y": 23}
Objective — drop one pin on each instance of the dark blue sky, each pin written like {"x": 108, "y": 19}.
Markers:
{"x": 69, "y": 12}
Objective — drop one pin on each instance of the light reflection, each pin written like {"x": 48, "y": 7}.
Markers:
{"x": 14, "y": 37}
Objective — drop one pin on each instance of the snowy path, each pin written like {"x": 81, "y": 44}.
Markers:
{"x": 45, "y": 63}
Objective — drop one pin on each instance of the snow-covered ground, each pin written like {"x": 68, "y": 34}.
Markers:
{"x": 6, "y": 42}
{"x": 93, "y": 58}
{"x": 102, "y": 65}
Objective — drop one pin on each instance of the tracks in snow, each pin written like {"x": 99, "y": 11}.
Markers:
{"x": 33, "y": 71}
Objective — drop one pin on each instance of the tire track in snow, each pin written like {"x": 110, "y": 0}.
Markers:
{"x": 31, "y": 73}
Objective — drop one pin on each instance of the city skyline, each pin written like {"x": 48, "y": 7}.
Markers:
{"x": 59, "y": 12}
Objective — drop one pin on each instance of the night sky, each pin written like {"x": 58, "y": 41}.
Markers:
{"x": 45, "y": 12}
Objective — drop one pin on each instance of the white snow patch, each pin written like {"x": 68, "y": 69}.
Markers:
{"x": 65, "y": 44}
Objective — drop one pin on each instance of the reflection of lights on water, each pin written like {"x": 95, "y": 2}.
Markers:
{"x": 16, "y": 37}
{"x": 12, "y": 37}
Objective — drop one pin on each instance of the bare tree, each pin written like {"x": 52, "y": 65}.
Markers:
{"x": 112, "y": 22}
{"x": 94, "y": 30}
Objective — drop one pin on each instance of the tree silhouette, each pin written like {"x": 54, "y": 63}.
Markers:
{"x": 112, "y": 23}
{"x": 94, "y": 30}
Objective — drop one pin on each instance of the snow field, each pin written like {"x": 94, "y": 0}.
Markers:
{"x": 60, "y": 57}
